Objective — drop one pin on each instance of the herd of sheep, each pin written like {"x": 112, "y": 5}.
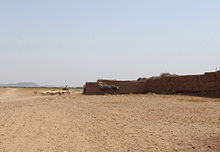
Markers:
{"x": 57, "y": 92}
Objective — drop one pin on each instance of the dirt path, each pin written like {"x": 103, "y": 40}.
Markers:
{"x": 7, "y": 94}
{"x": 108, "y": 123}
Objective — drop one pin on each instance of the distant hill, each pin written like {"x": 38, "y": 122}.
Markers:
{"x": 20, "y": 84}
{"x": 32, "y": 85}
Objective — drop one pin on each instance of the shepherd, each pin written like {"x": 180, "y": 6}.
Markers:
{"x": 66, "y": 88}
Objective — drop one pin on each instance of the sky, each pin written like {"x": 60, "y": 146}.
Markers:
{"x": 54, "y": 42}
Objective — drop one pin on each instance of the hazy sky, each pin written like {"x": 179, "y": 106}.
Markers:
{"x": 70, "y": 42}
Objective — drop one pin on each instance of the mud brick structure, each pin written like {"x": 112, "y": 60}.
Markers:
{"x": 125, "y": 87}
{"x": 204, "y": 84}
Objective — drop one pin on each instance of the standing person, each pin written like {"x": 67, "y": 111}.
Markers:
{"x": 66, "y": 88}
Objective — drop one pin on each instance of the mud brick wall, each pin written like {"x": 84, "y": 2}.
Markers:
{"x": 92, "y": 88}
{"x": 210, "y": 80}
{"x": 125, "y": 87}
{"x": 205, "y": 84}
{"x": 175, "y": 84}
{"x": 218, "y": 83}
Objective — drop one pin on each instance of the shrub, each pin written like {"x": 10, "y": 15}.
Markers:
{"x": 166, "y": 74}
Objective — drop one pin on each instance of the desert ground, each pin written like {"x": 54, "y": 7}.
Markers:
{"x": 31, "y": 122}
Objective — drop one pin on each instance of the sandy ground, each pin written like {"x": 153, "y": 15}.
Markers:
{"x": 123, "y": 123}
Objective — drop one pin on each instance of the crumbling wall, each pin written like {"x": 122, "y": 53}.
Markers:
{"x": 206, "y": 84}
{"x": 92, "y": 88}
{"x": 125, "y": 87}
{"x": 217, "y": 83}
{"x": 210, "y": 80}
{"x": 174, "y": 84}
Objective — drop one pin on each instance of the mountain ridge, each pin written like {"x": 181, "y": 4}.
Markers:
{"x": 20, "y": 84}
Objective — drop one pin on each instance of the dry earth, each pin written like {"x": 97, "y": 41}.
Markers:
{"x": 123, "y": 123}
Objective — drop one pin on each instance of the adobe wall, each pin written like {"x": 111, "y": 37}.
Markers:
{"x": 176, "y": 84}
{"x": 206, "y": 84}
{"x": 218, "y": 83}
{"x": 126, "y": 87}
{"x": 92, "y": 88}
